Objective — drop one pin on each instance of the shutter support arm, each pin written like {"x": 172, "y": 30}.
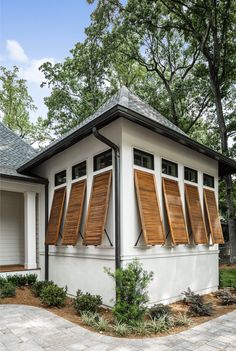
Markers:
{"x": 116, "y": 149}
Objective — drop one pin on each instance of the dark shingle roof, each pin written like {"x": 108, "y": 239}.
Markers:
{"x": 13, "y": 151}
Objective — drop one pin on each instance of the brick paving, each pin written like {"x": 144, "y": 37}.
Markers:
{"x": 26, "y": 328}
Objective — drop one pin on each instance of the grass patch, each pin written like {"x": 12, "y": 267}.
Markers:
{"x": 227, "y": 277}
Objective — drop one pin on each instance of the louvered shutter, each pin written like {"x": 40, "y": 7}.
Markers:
{"x": 74, "y": 213}
{"x": 55, "y": 218}
{"x": 98, "y": 207}
{"x": 174, "y": 211}
{"x": 149, "y": 209}
{"x": 195, "y": 214}
{"x": 213, "y": 217}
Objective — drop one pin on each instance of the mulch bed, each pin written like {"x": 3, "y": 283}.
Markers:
{"x": 24, "y": 296}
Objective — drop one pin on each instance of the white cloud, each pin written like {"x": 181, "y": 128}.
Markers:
{"x": 32, "y": 73}
{"x": 16, "y": 52}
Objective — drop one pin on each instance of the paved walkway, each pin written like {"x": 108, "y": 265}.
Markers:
{"x": 25, "y": 328}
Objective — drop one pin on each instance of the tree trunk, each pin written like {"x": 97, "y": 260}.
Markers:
{"x": 172, "y": 104}
{"x": 224, "y": 148}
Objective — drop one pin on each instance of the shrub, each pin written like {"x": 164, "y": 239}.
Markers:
{"x": 89, "y": 318}
{"x": 225, "y": 297}
{"x": 159, "y": 310}
{"x": 102, "y": 325}
{"x": 182, "y": 319}
{"x": 53, "y": 295}
{"x": 121, "y": 329}
{"x": 7, "y": 290}
{"x": 38, "y": 286}
{"x": 2, "y": 281}
{"x": 86, "y": 302}
{"x": 196, "y": 304}
{"x": 22, "y": 280}
{"x": 131, "y": 292}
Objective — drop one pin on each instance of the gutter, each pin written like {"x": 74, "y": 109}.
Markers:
{"x": 46, "y": 256}
{"x": 116, "y": 149}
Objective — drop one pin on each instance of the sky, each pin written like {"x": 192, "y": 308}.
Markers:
{"x": 36, "y": 31}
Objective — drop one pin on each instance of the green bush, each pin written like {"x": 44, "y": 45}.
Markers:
{"x": 225, "y": 297}
{"x": 2, "y": 281}
{"x": 131, "y": 292}
{"x": 53, "y": 295}
{"x": 196, "y": 304}
{"x": 159, "y": 310}
{"x": 86, "y": 302}
{"x": 22, "y": 280}
{"x": 7, "y": 290}
{"x": 228, "y": 278}
{"x": 38, "y": 286}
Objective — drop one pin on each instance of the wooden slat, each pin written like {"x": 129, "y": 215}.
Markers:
{"x": 195, "y": 214}
{"x": 213, "y": 217}
{"x": 98, "y": 207}
{"x": 74, "y": 213}
{"x": 55, "y": 218}
{"x": 149, "y": 208}
{"x": 174, "y": 211}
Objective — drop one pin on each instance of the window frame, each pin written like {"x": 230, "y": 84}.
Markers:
{"x": 210, "y": 177}
{"x": 167, "y": 174}
{"x": 191, "y": 181}
{"x": 105, "y": 167}
{"x": 80, "y": 177}
{"x": 145, "y": 153}
{"x": 57, "y": 174}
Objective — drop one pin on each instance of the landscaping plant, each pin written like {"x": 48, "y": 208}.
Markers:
{"x": 159, "y": 310}
{"x": 225, "y": 297}
{"x": 131, "y": 292}
{"x": 86, "y": 302}
{"x": 196, "y": 304}
{"x": 22, "y": 280}
{"x": 53, "y": 295}
{"x": 7, "y": 289}
{"x": 38, "y": 286}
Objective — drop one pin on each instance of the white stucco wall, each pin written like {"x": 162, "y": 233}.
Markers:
{"x": 175, "y": 268}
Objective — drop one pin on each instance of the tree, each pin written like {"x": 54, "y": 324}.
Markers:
{"x": 16, "y": 105}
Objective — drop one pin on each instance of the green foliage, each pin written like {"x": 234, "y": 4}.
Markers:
{"x": 2, "y": 281}
{"x": 53, "y": 295}
{"x": 159, "y": 310}
{"x": 196, "y": 304}
{"x": 89, "y": 318}
{"x": 131, "y": 292}
{"x": 8, "y": 289}
{"x": 158, "y": 325}
{"x": 225, "y": 297}
{"x": 182, "y": 319}
{"x": 102, "y": 325}
{"x": 16, "y": 105}
{"x": 121, "y": 329}
{"x": 228, "y": 278}
{"x": 86, "y": 302}
{"x": 38, "y": 286}
{"x": 22, "y": 280}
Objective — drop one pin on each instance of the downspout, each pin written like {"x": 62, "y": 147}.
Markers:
{"x": 116, "y": 149}
{"x": 46, "y": 224}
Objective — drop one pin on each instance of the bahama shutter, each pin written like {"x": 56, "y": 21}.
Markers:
{"x": 149, "y": 208}
{"x": 55, "y": 218}
{"x": 195, "y": 214}
{"x": 213, "y": 217}
{"x": 74, "y": 213}
{"x": 98, "y": 207}
{"x": 174, "y": 211}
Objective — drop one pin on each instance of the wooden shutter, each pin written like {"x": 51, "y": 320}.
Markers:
{"x": 213, "y": 217}
{"x": 98, "y": 207}
{"x": 74, "y": 213}
{"x": 149, "y": 208}
{"x": 174, "y": 211}
{"x": 55, "y": 218}
{"x": 195, "y": 214}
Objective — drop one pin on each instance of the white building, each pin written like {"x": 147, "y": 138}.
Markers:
{"x": 124, "y": 183}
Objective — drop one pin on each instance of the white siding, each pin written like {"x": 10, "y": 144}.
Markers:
{"x": 11, "y": 228}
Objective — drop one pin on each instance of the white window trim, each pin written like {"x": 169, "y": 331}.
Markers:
{"x": 147, "y": 152}
{"x": 75, "y": 164}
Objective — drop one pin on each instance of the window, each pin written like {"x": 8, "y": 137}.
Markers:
{"x": 169, "y": 168}
{"x": 60, "y": 178}
{"x": 208, "y": 180}
{"x": 102, "y": 160}
{"x": 190, "y": 175}
{"x": 143, "y": 159}
{"x": 79, "y": 170}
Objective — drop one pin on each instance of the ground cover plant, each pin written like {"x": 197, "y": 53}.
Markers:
{"x": 196, "y": 304}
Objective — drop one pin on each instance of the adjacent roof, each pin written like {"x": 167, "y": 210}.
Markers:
{"x": 14, "y": 151}
{"x": 127, "y": 105}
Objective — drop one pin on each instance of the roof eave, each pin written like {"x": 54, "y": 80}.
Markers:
{"x": 226, "y": 165}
